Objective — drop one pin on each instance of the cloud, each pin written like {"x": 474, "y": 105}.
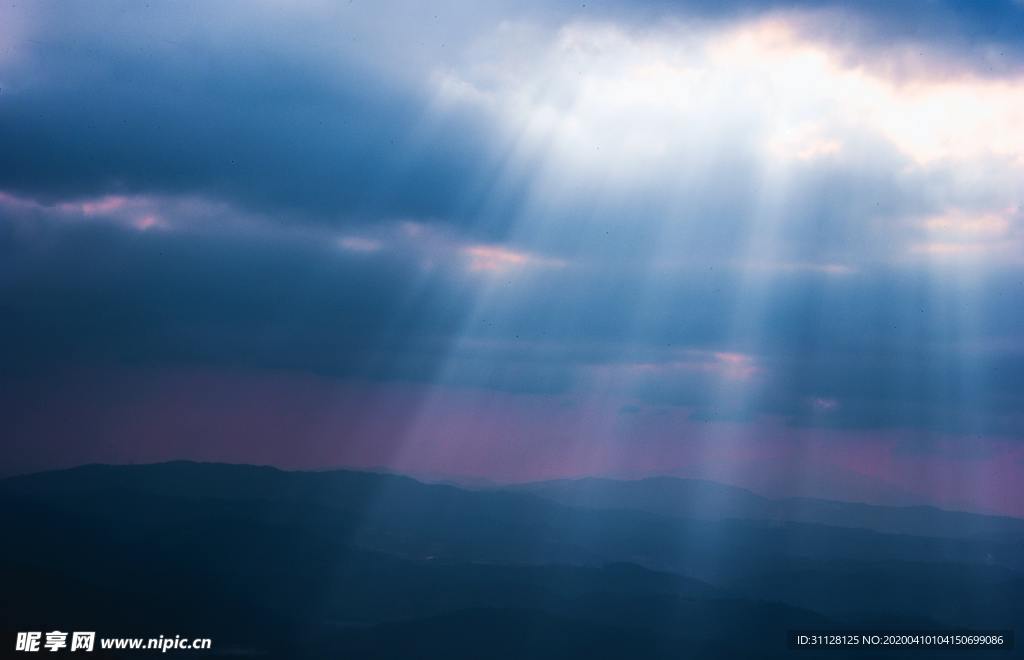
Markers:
{"x": 498, "y": 259}
{"x": 752, "y": 140}
{"x": 877, "y": 345}
{"x": 359, "y": 244}
{"x": 247, "y": 118}
{"x": 737, "y": 209}
{"x": 508, "y": 121}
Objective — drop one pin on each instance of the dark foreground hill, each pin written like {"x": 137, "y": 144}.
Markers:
{"x": 349, "y": 564}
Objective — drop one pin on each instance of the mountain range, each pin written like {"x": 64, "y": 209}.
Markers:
{"x": 355, "y": 564}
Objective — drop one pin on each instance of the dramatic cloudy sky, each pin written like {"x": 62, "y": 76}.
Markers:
{"x": 777, "y": 244}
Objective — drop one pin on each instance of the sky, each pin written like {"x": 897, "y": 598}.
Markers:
{"x": 774, "y": 244}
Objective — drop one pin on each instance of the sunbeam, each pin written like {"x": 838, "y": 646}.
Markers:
{"x": 512, "y": 329}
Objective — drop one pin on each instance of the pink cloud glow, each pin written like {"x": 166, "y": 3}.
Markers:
{"x": 497, "y": 259}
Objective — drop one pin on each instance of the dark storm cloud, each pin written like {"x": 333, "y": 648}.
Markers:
{"x": 247, "y": 126}
{"x": 95, "y": 293}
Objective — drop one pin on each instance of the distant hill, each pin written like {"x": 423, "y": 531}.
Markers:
{"x": 695, "y": 498}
